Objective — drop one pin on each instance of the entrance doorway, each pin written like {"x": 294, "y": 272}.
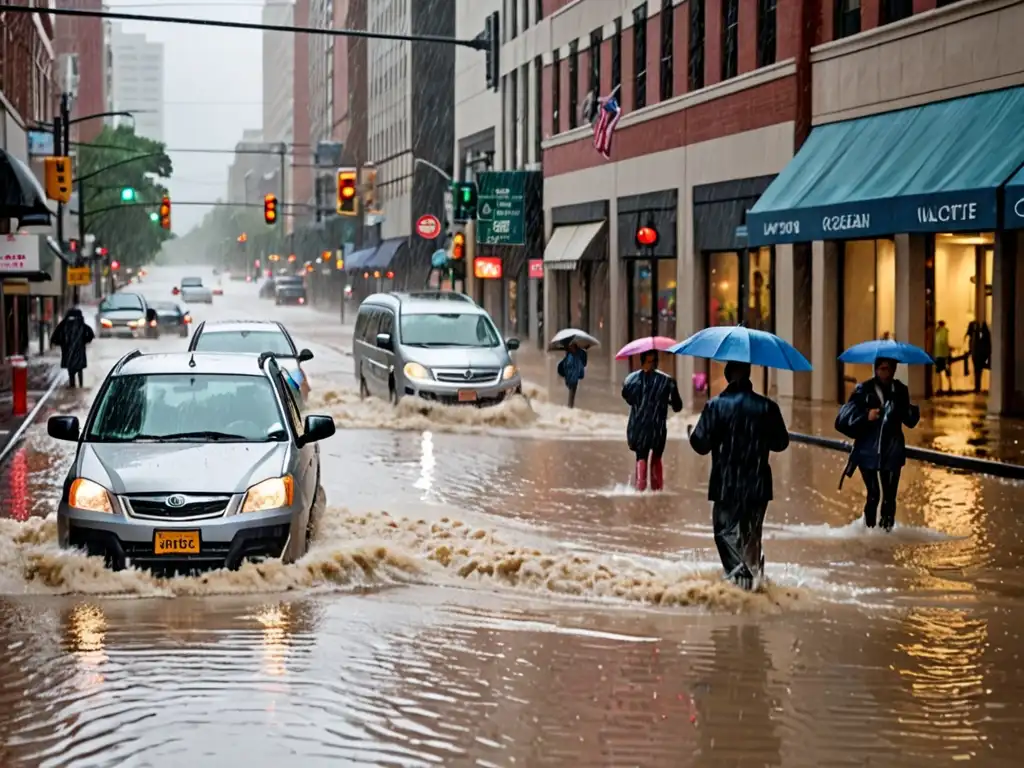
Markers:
{"x": 868, "y": 302}
{"x": 653, "y": 290}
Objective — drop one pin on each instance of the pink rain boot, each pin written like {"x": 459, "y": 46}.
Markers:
{"x": 641, "y": 475}
{"x": 657, "y": 475}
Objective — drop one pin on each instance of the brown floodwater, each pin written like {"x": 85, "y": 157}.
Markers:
{"x": 486, "y": 590}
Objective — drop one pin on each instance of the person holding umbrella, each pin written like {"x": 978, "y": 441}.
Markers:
{"x": 573, "y": 367}
{"x": 740, "y": 429}
{"x": 874, "y": 418}
{"x": 649, "y": 393}
{"x": 72, "y": 334}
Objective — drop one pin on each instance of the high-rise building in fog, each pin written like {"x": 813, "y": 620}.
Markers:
{"x": 137, "y": 80}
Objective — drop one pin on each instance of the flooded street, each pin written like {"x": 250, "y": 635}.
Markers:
{"x": 486, "y": 589}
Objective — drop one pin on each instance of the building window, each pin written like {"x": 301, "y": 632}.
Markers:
{"x": 617, "y": 56}
{"x": 513, "y": 18}
{"x": 847, "y": 18}
{"x": 526, "y": 15}
{"x": 574, "y": 83}
{"x": 696, "y": 71}
{"x": 766, "y": 32}
{"x": 556, "y": 92}
{"x": 513, "y": 107}
{"x": 640, "y": 57}
{"x": 538, "y": 109}
{"x": 730, "y": 38}
{"x": 538, "y": 11}
{"x": 667, "y": 40}
{"x": 595, "y": 63}
{"x": 896, "y": 10}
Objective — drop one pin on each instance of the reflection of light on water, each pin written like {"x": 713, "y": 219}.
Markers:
{"x": 952, "y": 501}
{"x": 87, "y": 632}
{"x": 428, "y": 463}
{"x": 17, "y": 484}
{"x": 276, "y": 623}
{"x": 943, "y": 670}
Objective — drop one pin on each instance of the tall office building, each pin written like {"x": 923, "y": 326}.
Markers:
{"x": 278, "y": 81}
{"x": 137, "y": 80}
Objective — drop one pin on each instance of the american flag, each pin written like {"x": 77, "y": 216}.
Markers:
{"x": 609, "y": 115}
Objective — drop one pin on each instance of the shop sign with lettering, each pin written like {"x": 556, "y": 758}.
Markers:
{"x": 19, "y": 253}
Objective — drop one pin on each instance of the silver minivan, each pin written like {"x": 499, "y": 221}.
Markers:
{"x": 438, "y": 346}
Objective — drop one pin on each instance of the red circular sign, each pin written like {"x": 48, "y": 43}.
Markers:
{"x": 428, "y": 227}
{"x": 647, "y": 236}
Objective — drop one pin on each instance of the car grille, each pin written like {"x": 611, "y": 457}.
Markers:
{"x": 464, "y": 376}
{"x": 156, "y": 507}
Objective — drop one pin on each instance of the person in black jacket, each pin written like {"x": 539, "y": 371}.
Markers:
{"x": 874, "y": 418}
{"x": 649, "y": 393}
{"x": 740, "y": 428}
{"x": 71, "y": 335}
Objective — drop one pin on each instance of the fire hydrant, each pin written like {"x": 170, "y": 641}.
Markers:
{"x": 19, "y": 385}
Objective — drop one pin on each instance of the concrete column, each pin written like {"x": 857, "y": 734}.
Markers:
{"x": 550, "y": 321}
{"x": 618, "y": 306}
{"x": 691, "y": 298}
{"x": 824, "y": 320}
{"x": 911, "y": 254}
{"x": 793, "y": 312}
{"x": 1007, "y": 363}
{"x": 533, "y": 286}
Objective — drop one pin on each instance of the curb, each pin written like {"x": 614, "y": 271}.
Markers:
{"x": 15, "y": 437}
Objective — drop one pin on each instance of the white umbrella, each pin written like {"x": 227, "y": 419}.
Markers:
{"x": 563, "y": 338}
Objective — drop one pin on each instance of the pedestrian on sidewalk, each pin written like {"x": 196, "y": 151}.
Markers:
{"x": 740, "y": 429}
{"x": 649, "y": 393}
{"x": 572, "y": 368}
{"x": 941, "y": 355}
{"x": 72, "y": 335}
{"x": 874, "y": 418}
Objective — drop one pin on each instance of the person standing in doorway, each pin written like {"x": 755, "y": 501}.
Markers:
{"x": 979, "y": 348}
{"x": 874, "y": 418}
{"x": 572, "y": 368}
{"x": 940, "y": 353}
{"x": 649, "y": 393}
{"x": 72, "y": 335}
{"x": 740, "y": 429}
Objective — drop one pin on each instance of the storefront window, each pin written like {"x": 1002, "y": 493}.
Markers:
{"x": 759, "y": 290}
{"x": 959, "y": 259}
{"x": 723, "y": 303}
{"x": 642, "y": 304}
{"x": 667, "y": 292}
{"x": 869, "y": 299}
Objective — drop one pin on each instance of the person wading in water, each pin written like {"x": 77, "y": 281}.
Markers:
{"x": 649, "y": 393}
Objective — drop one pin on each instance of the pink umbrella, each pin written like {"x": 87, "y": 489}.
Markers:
{"x": 646, "y": 344}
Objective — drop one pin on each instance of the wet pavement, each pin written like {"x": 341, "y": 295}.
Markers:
{"x": 487, "y": 590}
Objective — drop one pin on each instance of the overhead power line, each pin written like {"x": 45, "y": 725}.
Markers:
{"x": 477, "y": 43}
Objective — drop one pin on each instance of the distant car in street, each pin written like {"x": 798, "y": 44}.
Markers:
{"x": 289, "y": 289}
{"x": 126, "y": 314}
{"x": 268, "y": 289}
{"x": 173, "y": 317}
{"x": 193, "y": 291}
{"x": 437, "y": 346}
{"x": 189, "y": 461}
{"x": 255, "y": 337}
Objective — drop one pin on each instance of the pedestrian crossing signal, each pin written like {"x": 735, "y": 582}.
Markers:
{"x": 165, "y": 213}
{"x": 58, "y": 178}
{"x": 270, "y": 209}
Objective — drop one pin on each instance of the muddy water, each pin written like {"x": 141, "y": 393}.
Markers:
{"x": 487, "y": 590}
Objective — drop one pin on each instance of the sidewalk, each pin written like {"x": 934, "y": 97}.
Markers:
{"x": 41, "y": 374}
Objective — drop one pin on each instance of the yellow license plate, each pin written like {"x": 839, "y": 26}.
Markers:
{"x": 176, "y": 543}
{"x": 467, "y": 395}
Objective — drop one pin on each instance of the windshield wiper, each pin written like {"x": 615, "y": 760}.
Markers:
{"x": 199, "y": 435}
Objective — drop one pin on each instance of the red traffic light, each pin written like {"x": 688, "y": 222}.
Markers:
{"x": 458, "y": 246}
{"x": 115, "y": 265}
{"x": 165, "y": 212}
{"x": 647, "y": 237}
{"x": 101, "y": 251}
{"x": 389, "y": 275}
{"x": 270, "y": 208}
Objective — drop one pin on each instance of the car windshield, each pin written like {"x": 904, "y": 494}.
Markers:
{"x": 121, "y": 301}
{"x": 188, "y": 407}
{"x": 166, "y": 308}
{"x": 449, "y": 330}
{"x": 289, "y": 281}
{"x": 191, "y": 282}
{"x": 246, "y": 342}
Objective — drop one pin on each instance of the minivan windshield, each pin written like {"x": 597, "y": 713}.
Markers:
{"x": 188, "y": 407}
{"x": 121, "y": 301}
{"x": 246, "y": 342}
{"x": 191, "y": 282}
{"x": 449, "y": 329}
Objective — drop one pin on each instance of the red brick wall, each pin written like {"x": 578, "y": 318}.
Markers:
{"x": 748, "y": 35}
{"x": 84, "y": 35}
{"x": 302, "y": 174}
{"x": 748, "y": 110}
{"x": 563, "y": 102}
{"x": 626, "y": 94}
{"x": 712, "y": 42}
{"x": 870, "y": 14}
{"x": 920, "y": 6}
{"x": 654, "y": 58}
{"x": 545, "y": 102}
{"x": 787, "y": 28}
{"x": 606, "y": 67}
{"x": 681, "y": 49}
{"x": 550, "y": 6}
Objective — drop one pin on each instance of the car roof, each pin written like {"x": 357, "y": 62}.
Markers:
{"x": 180, "y": 362}
{"x": 237, "y": 326}
{"x": 426, "y": 303}
{"x": 165, "y": 304}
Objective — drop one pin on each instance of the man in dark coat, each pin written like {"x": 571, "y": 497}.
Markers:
{"x": 874, "y": 418}
{"x": 740, "y": 428}
{"x": 649, "y": 393}
{"x": 71, "y": 335}
{"x": 572, "y": 368}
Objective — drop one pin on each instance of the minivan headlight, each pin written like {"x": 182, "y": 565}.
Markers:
{"x": 416, "y": 371}
{"x": 89, "y": 496}
{"x": 275, "y": 493}
{"x": 509, "y": 372}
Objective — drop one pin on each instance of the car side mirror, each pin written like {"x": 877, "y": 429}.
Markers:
{"x": 384, "y": 340}
{"x": 63, "y": 428}
{"x": 317, "y": 428}
{"x": 512, "y": 345}
{"x": 305, "y": 356}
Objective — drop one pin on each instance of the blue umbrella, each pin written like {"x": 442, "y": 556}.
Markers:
{"x": 736, "y": 343}
{"x": 870, "y": 351}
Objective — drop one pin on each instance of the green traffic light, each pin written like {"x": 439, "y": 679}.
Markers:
{"x": 127, "y": 194}
{"x": 154, "y": 216}
{"x": 467, "y": 194}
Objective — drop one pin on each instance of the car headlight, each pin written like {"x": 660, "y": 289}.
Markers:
{"x": 134, "y": 323}
{"x": 104, "y": 323}
{"x": 509, "y": 372}
{"x": 416, "y": 371}
{"x": 89, "y": 496}
{"x": 274, "y": 493}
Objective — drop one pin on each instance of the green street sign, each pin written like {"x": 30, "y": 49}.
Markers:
{"x": 127, "y": 194}
{"x": 501, "y": 208}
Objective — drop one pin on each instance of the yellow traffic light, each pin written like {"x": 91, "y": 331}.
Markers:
{"x": 165, "y": 212}
{"x": 458, "y": 246}
{"x": 369, "y": 185}
{"x": 58, "y": 178}
{"x": 270, "y": 208}
{"x": 348, "y": 199}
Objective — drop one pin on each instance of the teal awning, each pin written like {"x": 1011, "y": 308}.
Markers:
{"x": 934, "y": 168}
{"x": 1013, "y": 202}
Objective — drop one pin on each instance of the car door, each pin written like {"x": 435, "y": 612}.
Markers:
{"x": 387, "y": 325}
{"x": 308, "y": 455}
{"x": 375, "y": 362}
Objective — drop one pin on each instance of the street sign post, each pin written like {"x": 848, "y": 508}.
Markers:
{"x": 428, "y": 227}
{"x": 79, "y": 276}
{"x": 501, "y": 208}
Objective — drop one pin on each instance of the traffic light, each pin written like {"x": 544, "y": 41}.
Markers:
{"x": 458, "y": 246}
{"x": 493, "y": 39}
{"x": 369, "y": 184}
{"x": 464, "y": 199}
{"x": 165, "y": 212}
{"x": 270, "y": 208}
{"x": 127, "y": 194}
{"x": 115, "y": 265}
{"x": 348, "y": 199}
{"x": 647, "y": 237}
{"x": 58, "y": 178}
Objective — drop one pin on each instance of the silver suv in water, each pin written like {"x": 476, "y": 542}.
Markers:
{"x": 192, "y": 460}
{"x": 436, "y": 346}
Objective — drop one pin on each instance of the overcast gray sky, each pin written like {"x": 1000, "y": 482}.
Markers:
{"x": 213, "y": 86}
